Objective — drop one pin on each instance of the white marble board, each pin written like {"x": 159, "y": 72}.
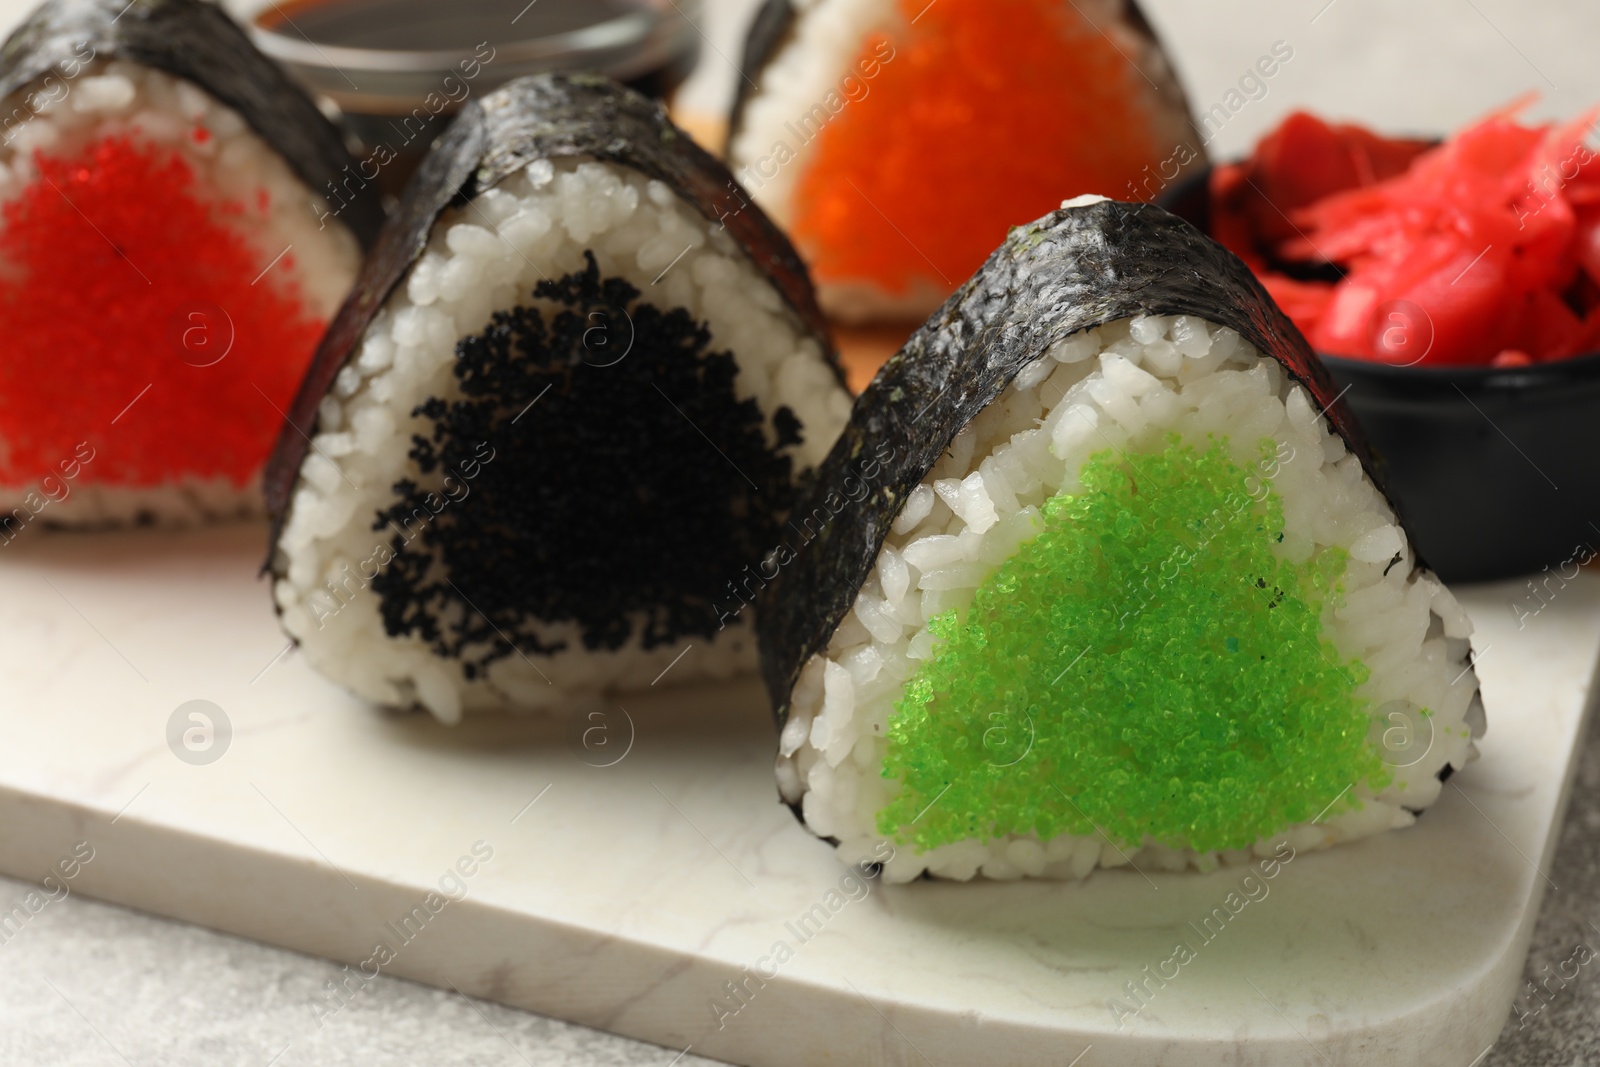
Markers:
{"x": 626, "y": 896}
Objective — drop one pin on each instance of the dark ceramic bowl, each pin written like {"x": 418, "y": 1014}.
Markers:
{"x": 1496, "y": 473}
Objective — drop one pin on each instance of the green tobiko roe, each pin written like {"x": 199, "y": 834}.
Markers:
{"x": 1145, "y": 667}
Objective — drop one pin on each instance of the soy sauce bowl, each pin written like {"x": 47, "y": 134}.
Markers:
{"x": 395, "y": 71}
{"x": 1495, "y": 471}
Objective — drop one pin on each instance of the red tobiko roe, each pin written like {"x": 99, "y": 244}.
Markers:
{"x": 139, "y": 318}
{"x": 1483, "y": 250}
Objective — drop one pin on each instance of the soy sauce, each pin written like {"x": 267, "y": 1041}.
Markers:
{"x": 429, "y": 26}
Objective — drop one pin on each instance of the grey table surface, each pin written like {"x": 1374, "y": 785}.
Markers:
{"x": 87, "y": 984}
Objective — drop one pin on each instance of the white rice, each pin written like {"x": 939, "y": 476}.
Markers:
{"x": 483, "y": 257}
{"x": 119, "y": 98}
{"x": 1125, "y": 386}
{"x": 806, "y": 73}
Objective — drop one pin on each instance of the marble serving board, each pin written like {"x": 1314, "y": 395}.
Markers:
{"x": 626, "y": 881}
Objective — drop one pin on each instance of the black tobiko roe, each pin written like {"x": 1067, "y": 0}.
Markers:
{"x": 627, "y": 482}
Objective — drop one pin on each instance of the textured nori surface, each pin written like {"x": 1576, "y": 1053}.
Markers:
{"x": 1072, "y": 270}
{"x": 195, "y": 41}
{"x": 546, "y": 116}
{"x": 775, "y": 20}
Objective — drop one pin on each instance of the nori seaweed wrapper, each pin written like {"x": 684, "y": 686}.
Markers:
{"x": 195, "y": 41}
{"x": 1073, "y": 270}
{"x": 774, "y": 22}
{"x": 546, "y": 116}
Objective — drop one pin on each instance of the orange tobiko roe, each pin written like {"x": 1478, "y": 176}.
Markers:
{"x": 986, "y": 114}
{"x": 141, "y": 320}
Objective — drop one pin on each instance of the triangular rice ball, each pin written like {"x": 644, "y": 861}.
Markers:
{"x": 898, "y": 140}
{"x": 552, "y": 434}
{"x": 1121, "y": 587}
{"x": 178, "y": 223}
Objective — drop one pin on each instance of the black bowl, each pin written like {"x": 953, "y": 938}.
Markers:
{"x": 1495, "y": 472}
